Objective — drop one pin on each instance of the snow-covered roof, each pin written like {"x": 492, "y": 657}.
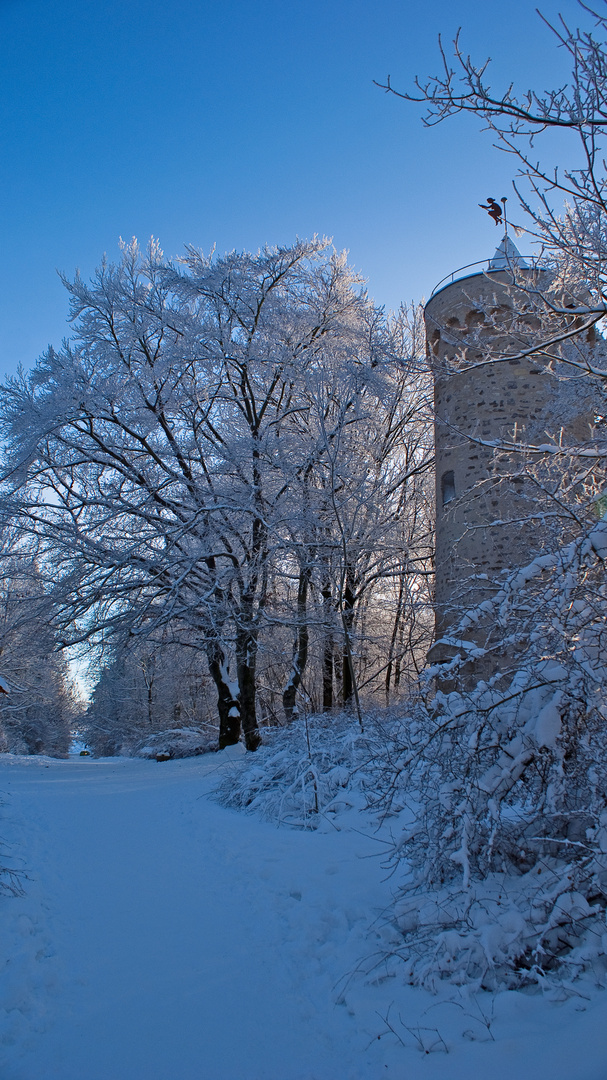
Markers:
{"x": 506, "y": 256}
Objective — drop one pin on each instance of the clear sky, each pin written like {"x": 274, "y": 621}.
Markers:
{"x": 237, "y": 123}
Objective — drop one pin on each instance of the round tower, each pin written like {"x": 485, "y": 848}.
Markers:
{"x": 489, "y": 507}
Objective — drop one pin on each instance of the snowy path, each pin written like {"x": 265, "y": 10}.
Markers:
{"x": 162, "y": 937}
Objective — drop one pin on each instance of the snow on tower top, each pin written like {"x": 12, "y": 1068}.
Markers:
{"x": 507, "y": 256}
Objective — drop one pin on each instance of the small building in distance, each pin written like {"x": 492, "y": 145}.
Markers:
{"x": 491, "y": 401}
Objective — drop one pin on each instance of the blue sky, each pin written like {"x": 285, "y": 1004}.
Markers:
{"x": 237, "y": 123}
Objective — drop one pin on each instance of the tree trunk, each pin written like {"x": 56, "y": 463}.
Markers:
{"x": 300, "y": 647}
{"x": 228, "y": 705}
{"x": 347, "y": 660}
{"x": 338, "y": 667}
{"x": 246, "y": 664}
{"x": 248, "y": 619}
{"x": 393, "y": 639}
{"x": 327, "y": 654}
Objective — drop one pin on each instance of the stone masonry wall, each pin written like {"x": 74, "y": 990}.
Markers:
{"x": 491, "y": 514}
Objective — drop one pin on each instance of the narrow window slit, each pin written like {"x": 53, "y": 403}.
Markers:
{"x": 447, "y": 487}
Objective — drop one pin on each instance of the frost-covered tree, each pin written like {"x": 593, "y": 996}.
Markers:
{"x": 378, "y": 515}
{"x": 172, "y": 457}
{"x": 38, "y": 708}
{"x": 367, "y": 538}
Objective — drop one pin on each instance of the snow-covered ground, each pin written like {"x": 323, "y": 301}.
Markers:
{"x": 162, "y": 936}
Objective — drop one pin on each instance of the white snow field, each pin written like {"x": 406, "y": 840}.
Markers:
{"x": 163, "y": 937}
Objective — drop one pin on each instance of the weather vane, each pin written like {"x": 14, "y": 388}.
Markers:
{"x": 494, "y": 209}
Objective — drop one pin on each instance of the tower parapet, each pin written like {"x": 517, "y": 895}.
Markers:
{"x": 492, "y": 400}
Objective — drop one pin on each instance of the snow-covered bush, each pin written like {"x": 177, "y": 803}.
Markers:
{"x": 316, "y": 769}
{"x": 507, "y": 858}
{"x": 176, "y": 743}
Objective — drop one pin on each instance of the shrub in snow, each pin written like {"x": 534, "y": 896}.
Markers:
{"x": 507, "y": 860}
{"x": 315, "y": 769}
{"x": 176, "y": 743}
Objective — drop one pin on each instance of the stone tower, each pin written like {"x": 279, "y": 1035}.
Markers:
{"x": 488, "y": 506}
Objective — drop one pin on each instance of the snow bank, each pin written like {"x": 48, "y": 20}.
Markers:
{"x": 160, "y": 935}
